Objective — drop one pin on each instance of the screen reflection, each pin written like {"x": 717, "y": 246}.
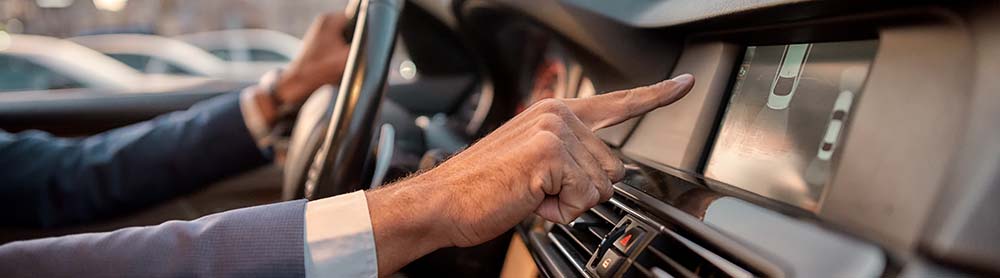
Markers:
{"x": 786, "y": 113}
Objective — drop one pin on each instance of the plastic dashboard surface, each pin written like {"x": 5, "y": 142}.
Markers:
{"x": 646, "y": 13}
{"x": 898, "y": 138}
{"x": 676, "y": 135}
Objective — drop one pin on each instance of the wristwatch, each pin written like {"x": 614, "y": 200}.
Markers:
{"x": 269, "y": 82}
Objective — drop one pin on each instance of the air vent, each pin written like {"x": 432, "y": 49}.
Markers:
{"x": 672, "y": 254}
{"x": 668, "y": 253}
{"x": 580, "y": 239}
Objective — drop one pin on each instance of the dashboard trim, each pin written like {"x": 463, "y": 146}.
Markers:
{"x": 682, "y": 143}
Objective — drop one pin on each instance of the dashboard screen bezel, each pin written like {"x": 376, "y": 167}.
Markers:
{"x": 727, "y": 48}
{"x": 803, "y": 202}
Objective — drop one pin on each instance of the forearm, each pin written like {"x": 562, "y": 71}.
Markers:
{"x": 258, "y": 241}
{"x": 51, "y": 181}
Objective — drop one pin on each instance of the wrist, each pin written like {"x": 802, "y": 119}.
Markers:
{"x": 269, "y": 111}
{"x": 407, "y": 222}
{"x": 294, "y": 86}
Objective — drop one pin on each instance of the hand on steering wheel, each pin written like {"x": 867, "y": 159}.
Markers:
{"x": 334, "y": 161}
{"x": 321, "y": 60}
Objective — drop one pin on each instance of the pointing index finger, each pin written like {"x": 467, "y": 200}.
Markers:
{"x": 612, "y": 108}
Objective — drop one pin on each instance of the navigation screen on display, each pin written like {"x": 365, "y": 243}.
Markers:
{"x": 786, "y": 116}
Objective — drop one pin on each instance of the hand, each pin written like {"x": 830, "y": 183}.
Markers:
{"x": 546, "y": 160}
{"x": 321, "y": 60}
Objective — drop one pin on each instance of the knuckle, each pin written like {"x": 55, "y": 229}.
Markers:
{"x": 555, "y": 106}
{"x": 606, "y": 190}
{"x": 549, "y": 141}
{"x": 593, "y": 198}
{"x": 551, "y": 122}
{"x": 547, "y": 104}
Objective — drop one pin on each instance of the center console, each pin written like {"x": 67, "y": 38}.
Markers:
{"x": 810, "y": 147}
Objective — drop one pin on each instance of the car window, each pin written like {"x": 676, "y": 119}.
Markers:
{"x": 263, "y": 55}
{"x": 165, "y": 67}
{"x": 148, "y": 64}
{"x": 223, "y": 54}
{"x": 257, "y": 55}
{"x": 134, "y": 61}
{"x": 19, "y": 74}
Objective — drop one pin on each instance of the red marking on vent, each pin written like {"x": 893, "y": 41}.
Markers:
{"x": 625, "y": 240}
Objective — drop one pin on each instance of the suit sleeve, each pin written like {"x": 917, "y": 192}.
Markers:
{"x": 47, "y": 181}
{"x": 264, "y": 241}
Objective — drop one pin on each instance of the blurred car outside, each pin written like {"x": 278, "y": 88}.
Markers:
{"x": 40, "y": 63}
{"x": 246, "y": 45}
{"x": 154, "y": 54}
{"x": 255, "y": 50}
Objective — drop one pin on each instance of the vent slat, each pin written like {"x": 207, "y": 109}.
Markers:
{"x": 670, "y": 265}
{"x": 589, "y": 218}
{"x": 609, "y": 214}
{"x": 638, "y": 271}
{"x": 579, "y": 240}
{"x": 715, "y": 260}
{"x": 599, "y": 232}
{"x": 686, "y": 258}
{"x": 576, "y": 259}
{"x": 584, "y": 241}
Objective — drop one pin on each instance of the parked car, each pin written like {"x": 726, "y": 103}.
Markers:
{"x": 246, "y": 45}
{"x": 39, "y": 63}
{"x": 256, "y": 50}
{"x": 162, "y": 55}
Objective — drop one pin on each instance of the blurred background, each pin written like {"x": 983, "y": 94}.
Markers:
{"x": 144, "y": 46}
{"x": 65, "y": 18}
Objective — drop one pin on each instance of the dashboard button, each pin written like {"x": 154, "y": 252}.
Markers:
{"x": 609, "y": 264}
{"x": 627, "y": 240}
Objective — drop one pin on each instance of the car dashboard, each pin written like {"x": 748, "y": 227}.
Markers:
{"x": 825, "y": 139}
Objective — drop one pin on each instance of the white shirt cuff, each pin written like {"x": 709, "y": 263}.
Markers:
{"x": 253, "y": 119}
{"x": 339, "y": 241}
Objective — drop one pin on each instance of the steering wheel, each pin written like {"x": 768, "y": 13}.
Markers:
{"x": 331, "y": 146}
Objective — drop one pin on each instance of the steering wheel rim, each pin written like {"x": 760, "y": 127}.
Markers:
{"x": 341, "y": 162}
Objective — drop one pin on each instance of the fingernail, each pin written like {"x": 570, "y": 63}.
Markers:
{"x": 684, "y": 78}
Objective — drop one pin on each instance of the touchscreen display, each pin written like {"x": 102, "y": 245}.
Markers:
{"x": 785, "y": 118}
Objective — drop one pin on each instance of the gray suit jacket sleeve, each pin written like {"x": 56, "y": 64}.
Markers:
{"x": 264, "y": 241}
